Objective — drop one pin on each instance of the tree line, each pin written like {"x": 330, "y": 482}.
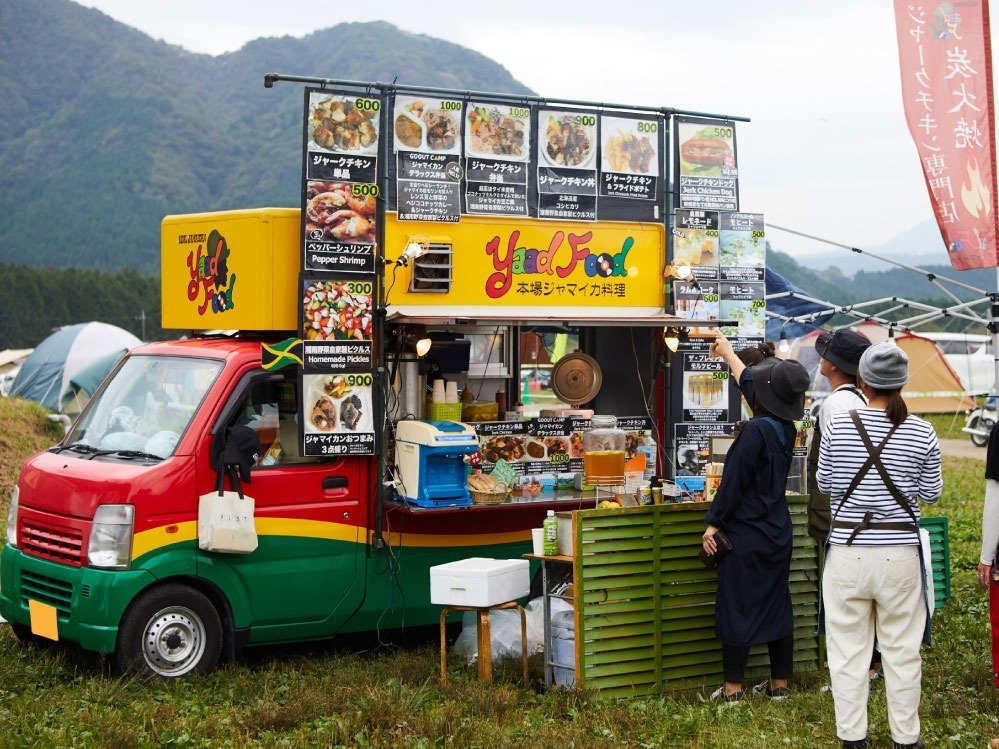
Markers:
{"x": 36, "y": 301}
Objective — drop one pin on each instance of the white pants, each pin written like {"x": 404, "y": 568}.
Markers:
{"x": 868, "y": 590}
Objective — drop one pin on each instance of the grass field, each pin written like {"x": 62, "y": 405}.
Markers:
{"x": 366, "y": 693}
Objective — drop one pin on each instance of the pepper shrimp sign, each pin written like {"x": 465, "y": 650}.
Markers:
{"x": 339, "y": 211}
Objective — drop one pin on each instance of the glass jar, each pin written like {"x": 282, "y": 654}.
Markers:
{"x": 603, "y": 452}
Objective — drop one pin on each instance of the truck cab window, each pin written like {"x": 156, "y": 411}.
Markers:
{"x": 269, "y": 407}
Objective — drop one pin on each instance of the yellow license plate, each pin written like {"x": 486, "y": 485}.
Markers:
{"x": 44, "y": 620}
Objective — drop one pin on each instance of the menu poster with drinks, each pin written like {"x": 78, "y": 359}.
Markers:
{"x": 707, "y": 173}
{"x": 427, "y": 145}
{"x": 695, "y": 242}
{"x": 340, "y": 175}
{"x": 744, "y": 303}
{"x": 337, "y": 375}
{"x": 695, "y": 302}
{"x": 701, "y": 387}
{"x": 742, "y": 246}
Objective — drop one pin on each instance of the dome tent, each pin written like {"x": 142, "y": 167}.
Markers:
{"x": 46, "y": 376}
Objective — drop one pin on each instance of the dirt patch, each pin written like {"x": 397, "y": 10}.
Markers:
{"x": 961, "y": 449}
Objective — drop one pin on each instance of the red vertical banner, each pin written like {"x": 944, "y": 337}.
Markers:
{"x": 946, "y": 63}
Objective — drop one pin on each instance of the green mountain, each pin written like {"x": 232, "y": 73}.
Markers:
{"x": 105, "y": 130}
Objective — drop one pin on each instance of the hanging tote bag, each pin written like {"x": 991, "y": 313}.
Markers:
{"x": 225, "y": 520}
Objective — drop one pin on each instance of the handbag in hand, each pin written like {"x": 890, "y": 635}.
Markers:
{"x": 724, "y": 546}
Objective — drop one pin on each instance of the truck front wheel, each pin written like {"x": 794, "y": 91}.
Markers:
{"x": 170, "y": 631}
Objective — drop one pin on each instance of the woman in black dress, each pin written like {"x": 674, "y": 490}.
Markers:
{"x": 753, "y": 602}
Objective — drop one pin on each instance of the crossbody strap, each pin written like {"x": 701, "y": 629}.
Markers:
{"x": 903, "y": 502}
{"x": 862, "y": 471}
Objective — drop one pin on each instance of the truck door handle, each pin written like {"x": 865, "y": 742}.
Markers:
{"x": 335, "y": 482}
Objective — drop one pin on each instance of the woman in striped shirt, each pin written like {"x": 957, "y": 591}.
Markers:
{"x": 873, "y": 580}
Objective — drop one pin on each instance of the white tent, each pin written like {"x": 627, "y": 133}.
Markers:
{"x": 46, "y": 376}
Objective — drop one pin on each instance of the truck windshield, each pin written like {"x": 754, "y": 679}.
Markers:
{"x": 146, "y": 407}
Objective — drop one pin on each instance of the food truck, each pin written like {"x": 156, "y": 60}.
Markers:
{"x": 436, "y": 229}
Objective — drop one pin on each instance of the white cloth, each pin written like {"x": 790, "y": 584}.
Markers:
{"x": 990, "y": 522}
{"x": 868, "y": 590}
{"x": 842, "y": 399}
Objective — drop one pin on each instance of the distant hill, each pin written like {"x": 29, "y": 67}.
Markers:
{"x": 104, "y": 130}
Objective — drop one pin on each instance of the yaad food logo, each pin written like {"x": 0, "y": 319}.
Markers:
{"x": 211, "y": 284}
{"x": 565, "y": 253}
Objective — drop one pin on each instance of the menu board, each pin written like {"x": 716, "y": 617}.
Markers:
{"x": 339, "y": 171}
{"x": 707, "y": 165}
{"x": 497, "y": 164}
{"x": 458, "y": 156}
{"x": 545, "y": 453}
{"x": 337, "y": 366}
{"x": 742, "y": 246}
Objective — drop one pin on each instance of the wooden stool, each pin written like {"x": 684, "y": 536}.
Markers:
{"x": 484, "y": 637}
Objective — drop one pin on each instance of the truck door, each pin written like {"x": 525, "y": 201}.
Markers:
{"x": 306, "y": 577}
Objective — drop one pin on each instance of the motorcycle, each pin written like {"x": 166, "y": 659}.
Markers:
{"x": 980, "y": 421}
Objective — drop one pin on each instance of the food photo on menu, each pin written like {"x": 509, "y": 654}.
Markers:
{"x": 421, "y": 124}
{"x": 337, "y": 311}
{"x": 337, "y": 403}
{"x": 629, "y": 146}
{"x": 569, "y": 139}
{"x": 704, "y": 153}
{"x": 497, "y": 131}
{"x": 750, "y": 316}
{"x": 337, "y": 125}
{"x": 340, "y": 212}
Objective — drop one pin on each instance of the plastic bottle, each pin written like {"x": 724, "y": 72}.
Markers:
{"x": 551, "y": 534}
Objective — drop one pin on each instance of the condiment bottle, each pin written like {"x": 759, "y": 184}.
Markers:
{"x": 501, "y": 405}
{"x": 466, "y": 395}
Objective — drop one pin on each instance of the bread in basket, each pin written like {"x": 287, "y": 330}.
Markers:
{"x": 486, "y": 490}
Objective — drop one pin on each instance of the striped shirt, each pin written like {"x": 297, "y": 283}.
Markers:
{"x": 911, "y": 457}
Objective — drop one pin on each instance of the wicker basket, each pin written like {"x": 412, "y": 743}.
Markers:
{"x": 497, "y": 497}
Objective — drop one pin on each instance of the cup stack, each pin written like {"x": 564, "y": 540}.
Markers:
{"x": 451, "y": 392}
{"x": 438, "y": 394}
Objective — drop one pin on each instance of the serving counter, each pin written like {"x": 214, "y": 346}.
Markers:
{"x": 644, "y": 604}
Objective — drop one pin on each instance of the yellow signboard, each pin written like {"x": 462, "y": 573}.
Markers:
{"x": 518, "y": 262}
{"x": 232, "y": 270}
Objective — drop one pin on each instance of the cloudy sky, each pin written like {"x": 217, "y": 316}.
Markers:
{"x": 827, "y": 151}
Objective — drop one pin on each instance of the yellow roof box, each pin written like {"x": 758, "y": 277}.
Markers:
{"x": 231, "y": 270}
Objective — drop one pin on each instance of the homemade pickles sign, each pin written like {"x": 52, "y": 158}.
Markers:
{"x": 337, "y": 377}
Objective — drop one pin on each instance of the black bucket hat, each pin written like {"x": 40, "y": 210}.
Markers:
{"x": 780, "y": 387}
{"x": 242, "y": 449}
{"x": 843, "y": 348}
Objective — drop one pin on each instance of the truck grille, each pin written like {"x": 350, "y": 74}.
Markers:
{"x": 63, "y": 545}
{"x": 58, "y": 593}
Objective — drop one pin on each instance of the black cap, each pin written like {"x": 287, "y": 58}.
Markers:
{"x": 843, "y": 348}
{"x": 242, "y": 448}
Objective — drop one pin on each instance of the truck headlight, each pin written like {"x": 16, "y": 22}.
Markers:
{"x": 111, "y": 537}
{"x": 12, "y": 519}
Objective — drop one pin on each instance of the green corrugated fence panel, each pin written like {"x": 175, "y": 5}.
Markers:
{"x": 647, "y": 603}
{"x": 939, "y": 558}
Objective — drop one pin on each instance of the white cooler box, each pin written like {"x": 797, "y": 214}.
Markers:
{"x": 479, "y": 582}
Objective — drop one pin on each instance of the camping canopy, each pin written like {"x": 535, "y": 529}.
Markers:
{"x": 933, "y": 386}
{"x": 47, "y": 376}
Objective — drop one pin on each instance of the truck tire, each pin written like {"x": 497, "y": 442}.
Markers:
{"x": 170, "y": 631}
{"x": 985, "y": 424}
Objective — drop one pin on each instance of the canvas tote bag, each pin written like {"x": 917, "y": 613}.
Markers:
{"x": 225, "y": 519}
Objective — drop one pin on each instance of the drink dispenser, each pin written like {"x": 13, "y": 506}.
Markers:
{"x": 603, "y": 452}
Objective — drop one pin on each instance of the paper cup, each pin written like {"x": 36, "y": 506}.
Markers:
{"x": 538, "y": 537}
{"x": 451, "y": 392}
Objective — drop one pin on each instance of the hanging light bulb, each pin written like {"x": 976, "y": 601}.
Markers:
{"x": 673, "y": 336}
{"x": 783, "y": 346}
{"x": 423, "y": 346}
